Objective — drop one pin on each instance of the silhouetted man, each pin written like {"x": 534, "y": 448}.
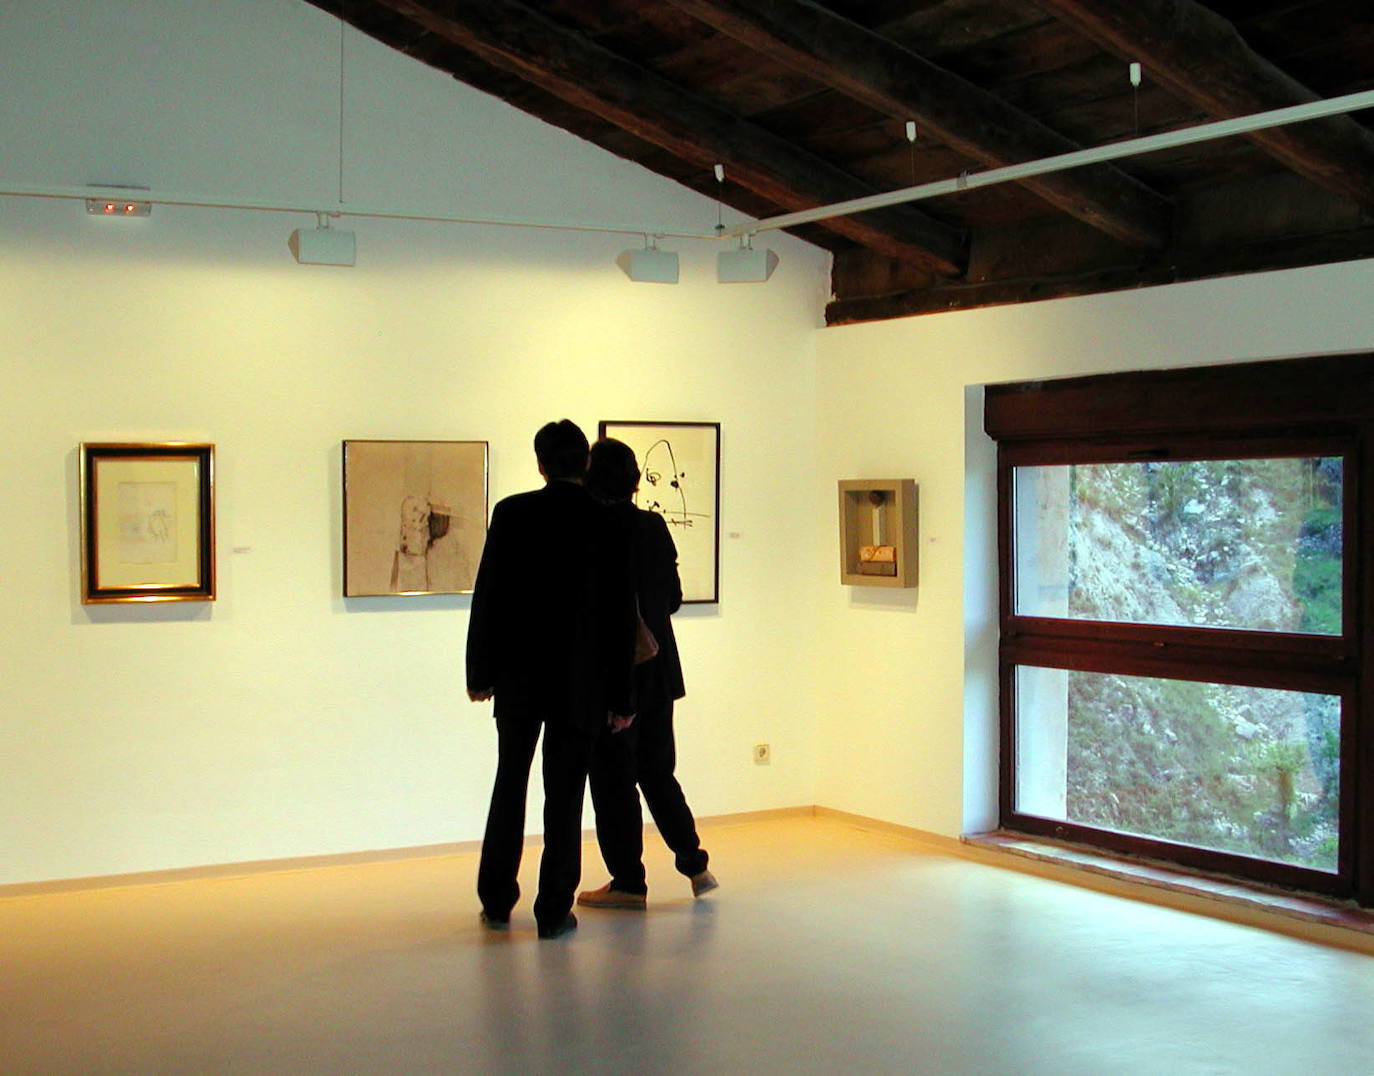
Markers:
{"x": 551, "y": 638}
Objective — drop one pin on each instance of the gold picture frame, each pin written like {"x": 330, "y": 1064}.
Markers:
{"x": 878, "y": 529}
{"x": 147, "y": 522}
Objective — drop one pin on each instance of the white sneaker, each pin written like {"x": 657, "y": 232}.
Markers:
{"x": 703, "y": 883}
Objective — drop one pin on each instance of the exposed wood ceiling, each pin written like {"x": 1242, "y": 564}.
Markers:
{"x": 807, "y": 104}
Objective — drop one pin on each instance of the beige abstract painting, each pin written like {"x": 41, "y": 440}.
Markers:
{"x": 415, "y": 516}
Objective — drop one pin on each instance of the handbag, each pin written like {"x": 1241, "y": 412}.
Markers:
{"x": 646, "y": 646}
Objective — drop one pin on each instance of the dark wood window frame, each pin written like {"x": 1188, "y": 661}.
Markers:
{"x": 1318, "y": 406}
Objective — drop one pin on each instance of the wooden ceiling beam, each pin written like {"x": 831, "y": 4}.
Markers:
{"x": 1201, "y": 57}
{"x": 892, "y": 79}
{"x": 1174, "y": 267}
{"x": 517, "y": 39}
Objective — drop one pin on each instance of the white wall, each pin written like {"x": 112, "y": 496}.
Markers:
{"x": 282, "y": 720}
{"x": 908, "y": 728}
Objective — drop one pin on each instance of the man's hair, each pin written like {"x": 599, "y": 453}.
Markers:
{"x": 612, "y": 474}
{"x": 561, "y": 449}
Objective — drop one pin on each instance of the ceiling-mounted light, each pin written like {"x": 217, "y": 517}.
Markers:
{"x": 117, "y": 203}
{"x": 324, "y": 245}
{"x": 745, "y": 265}
{"x": 650, "y": 265}
{"x": 118, "y": 207}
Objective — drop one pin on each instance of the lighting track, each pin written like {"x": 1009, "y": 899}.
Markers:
{"x": 1204, "y": 132}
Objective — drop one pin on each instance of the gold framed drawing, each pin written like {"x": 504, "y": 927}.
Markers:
{"x": 147, "y": 522}
{"x": 680, "y": 462}
{"x": 415, "y": 516}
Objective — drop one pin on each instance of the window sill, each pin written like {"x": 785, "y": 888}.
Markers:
{"x": 1315, "y": 918}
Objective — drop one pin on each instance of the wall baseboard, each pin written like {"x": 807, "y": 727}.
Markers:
{"x": 936, "y": 841}
{"x": 338, "y": 859}
{"x": 234, "y": 870}
{"x": 1311, "y": 919}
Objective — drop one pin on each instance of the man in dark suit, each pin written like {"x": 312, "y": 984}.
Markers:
{"x": 646, "y": 753}
{"x": 551, "y": 638}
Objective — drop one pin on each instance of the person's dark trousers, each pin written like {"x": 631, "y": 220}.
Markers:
{"x": 619, "y": 821}
{"x": 566, "y": 756}
{"x": 645, "y": 753}
{"x": 504, "y": 839}
{"x": 656, "y": 758}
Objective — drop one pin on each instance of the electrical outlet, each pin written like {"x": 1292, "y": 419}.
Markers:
{"x": 762, "y": 754}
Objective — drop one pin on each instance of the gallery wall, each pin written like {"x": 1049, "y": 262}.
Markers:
{"x": 282, "y": 720}
{"x": 915, "y": 711}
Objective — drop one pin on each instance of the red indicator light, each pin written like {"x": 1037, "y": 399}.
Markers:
{"x": 112, "y": 208}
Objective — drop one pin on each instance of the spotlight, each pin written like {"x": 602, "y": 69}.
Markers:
{"x": 650, "y": 265}
{"x": 324, "y": 245}
{"x": 746, "y": 265}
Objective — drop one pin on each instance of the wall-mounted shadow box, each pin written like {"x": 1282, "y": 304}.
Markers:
{"x": 878, "y": 532}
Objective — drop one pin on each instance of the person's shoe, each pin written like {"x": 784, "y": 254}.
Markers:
{"x": 606, "y": 897}
{"x": 703, "y": 883}
{"x": 557, "y": 930}
{"x": 494, "y": 922}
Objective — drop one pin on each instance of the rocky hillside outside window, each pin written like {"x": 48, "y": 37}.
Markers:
{"x": 1184, "y": 582}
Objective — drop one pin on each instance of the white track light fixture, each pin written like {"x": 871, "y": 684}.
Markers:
{"x": 745, "y": 265}
{"x": 650, "y": 265}
{"x": 324, "y": 245}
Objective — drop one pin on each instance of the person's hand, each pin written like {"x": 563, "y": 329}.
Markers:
{"x": 480, "y": 696}
{"x": 620, "y": 722}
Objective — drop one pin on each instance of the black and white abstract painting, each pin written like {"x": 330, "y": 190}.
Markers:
{"x": 680, "y": 480}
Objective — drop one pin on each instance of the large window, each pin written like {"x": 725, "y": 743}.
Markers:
{"x": 1184, "y": 587}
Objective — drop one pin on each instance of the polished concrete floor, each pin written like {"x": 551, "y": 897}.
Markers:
{"x": 827, "y": 949}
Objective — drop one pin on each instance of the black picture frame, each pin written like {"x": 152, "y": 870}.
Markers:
{"x": 681, "y": 481}
{"x": 147, "y": 522}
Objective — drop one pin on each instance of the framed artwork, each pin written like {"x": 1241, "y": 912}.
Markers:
{"x": 878, "y": 532}
{"x": 680, "y": 462}
{"x": 147, "y": 522}
{"x": 415, "y": 516}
